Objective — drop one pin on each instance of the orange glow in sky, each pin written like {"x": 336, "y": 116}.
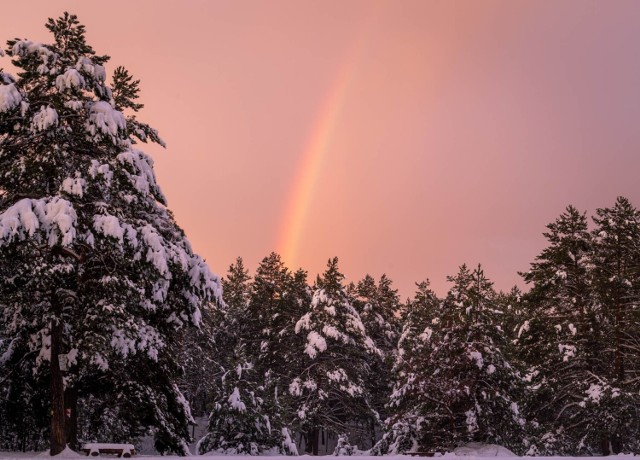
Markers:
{"x": 405, "y": 137}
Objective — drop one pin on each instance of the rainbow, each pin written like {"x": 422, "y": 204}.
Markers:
{"x": 319, "y": 145}
{"x": 311, "y": 165}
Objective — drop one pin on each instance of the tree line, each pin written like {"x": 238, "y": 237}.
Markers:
{"x": 549, "y": 371}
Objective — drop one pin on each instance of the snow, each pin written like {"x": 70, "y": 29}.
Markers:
{"x": 156, "y": 252}
{"x": 426, "y": 334}
{"x": 70, "y": 79}
{"x": 523, "y": 328}
{"x": 86, "y": 65}
{"x": 44, "y": 118}
{"x": 105, "y": 119}
{"x": 9, "y": 97}
{"x": 477, "y": 357}
{"x": 331, "y": 331}
{"x": 73, "y": 186}
{"x": 470, "y": 451}
{"x": 109, "y": 226}
{"x": 55, "y": 217}
{"x": 476, "y": 449}
{"x": 235, "y": 401}
{"x": 303, "y": 323}
{"x": 143, "y": 178}
{"x": 568, "y": 351}
{"x": 24, "y": 47}
{"x": 594, "y": 392}
{"x": 315, "y": 343}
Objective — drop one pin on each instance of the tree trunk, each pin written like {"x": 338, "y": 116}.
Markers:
{"x": 311, "y": 442}
{"x": 58, "y": 435}
{"x": 315, "y": 440}
{"x": 604, "y": 445}
{"x": 71, "y": 416}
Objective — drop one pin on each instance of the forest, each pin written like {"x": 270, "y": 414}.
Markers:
{"x": 112, "y": 328}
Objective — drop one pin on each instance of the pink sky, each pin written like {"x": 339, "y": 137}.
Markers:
{"x": 405, "y": 137}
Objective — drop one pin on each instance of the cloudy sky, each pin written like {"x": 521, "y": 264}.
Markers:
{"x": 404, "y": 137}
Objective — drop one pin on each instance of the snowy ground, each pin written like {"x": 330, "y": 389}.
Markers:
{"x": 470, "y": 451}
{"x": 25, "y": 456}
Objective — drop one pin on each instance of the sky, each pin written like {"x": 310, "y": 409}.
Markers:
{"x": 404, "y": 137}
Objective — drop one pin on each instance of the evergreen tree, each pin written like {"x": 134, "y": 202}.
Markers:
{"x": 558, "y": 340}
{"x": 616, "y": 264}
{"x": 455, "y": 384}
{"x": 248, "y": 416}
{"x": 239, "y": 422}
{"x": 330, "y": 392}
{"x": 94, "y": 266}
{"x": 617, "y": 279}
{"x": 404, "y": 428}
{"x": 377, "y": 305}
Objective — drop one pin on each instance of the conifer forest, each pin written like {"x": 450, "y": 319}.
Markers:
{"x": 113, "y": 329}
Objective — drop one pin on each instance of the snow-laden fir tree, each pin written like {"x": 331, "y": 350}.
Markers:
{"x": 278, "y": 298}
{"x": 239, "y": 423}
{"x": 616, "y": 261}
{"x": 616, "y": 279}
{"x": 94, "y": 266}
{"x": 579, "y": 339}
{"x": 329, "y": 393}
{"x": 558, "y": 340}
{"x": 456, "y": 385}
{"x": 404, "y": 427}
{"x": 276, "y": 302}
{"x": 377, "y": 304}
{"x": 248, "y": 416}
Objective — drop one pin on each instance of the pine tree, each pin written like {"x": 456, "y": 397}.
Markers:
{"x": 616, "y": 267}
{"x": 578, "y": 340}
{"x": 559, "y": 340}
{"x": 330, "y": 393}
{"x": 94, "y": 266}
{"x": 617, "y": 278}
{"x": 404, "y": 429}
{"x": 248, "y": 416}
{"x": 239, "y": 423}
{"x": 455, "y": 384}
{"x": 377, "y": 305}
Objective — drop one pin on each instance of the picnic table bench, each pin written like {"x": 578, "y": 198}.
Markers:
{"x": 121, "y": 450}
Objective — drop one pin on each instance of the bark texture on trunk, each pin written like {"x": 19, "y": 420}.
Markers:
{"x": 58, "y": 435}
{"x": 71, "y": 417}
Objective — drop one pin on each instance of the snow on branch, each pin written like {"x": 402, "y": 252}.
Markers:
{"x": 105, "y": 119}
{"x": 70, "y": 79}
{"x": 44, "y": 118}
{"x": 9, "y": 97}
{"x": 54, "y": 217}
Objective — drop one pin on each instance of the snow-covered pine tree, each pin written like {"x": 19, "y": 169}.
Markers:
{"x": 377, "y": 305}
{"x": 239, "y": 422}
{"x": 616, "y": 279}
{"x": 274, "y": 307}
{"x": 94, "y": 266}
{"x": 278, "y": 298}
{"x": 558, "y": 340}
{"x": 461, "y": 388}
{"x": 404, "y": 428}
{"x": 616, "y": 263}
{"x": 330, "y": 393}
{"x": 248, "y": 416}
